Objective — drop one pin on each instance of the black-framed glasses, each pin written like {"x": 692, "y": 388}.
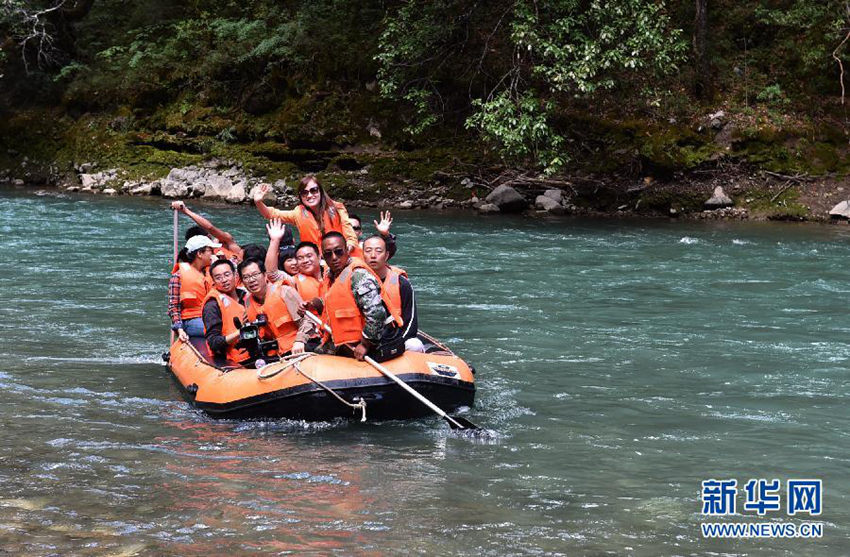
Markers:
{"x": 311, "y": 191}
{"x": 339, "y": 252}
{"x": 252, "y": 276}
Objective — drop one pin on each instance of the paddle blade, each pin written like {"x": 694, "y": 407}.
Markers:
{"x": 456, "y": 422}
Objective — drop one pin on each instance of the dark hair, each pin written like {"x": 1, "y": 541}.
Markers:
{"x": 250, "y": 261}
{"x": 182, "y": 256}
{"x": 378, "y": 236}
{"x": 310, "y": 245}
{"x": 286, "y": 252}
{"x": 326, "y": 204}
{"x": 254, "y": 251}
{"x": 190, "y": 256}
{"x": 352, "y": 216}
{"x": 218, "y": 262}
{"x": 195, "y": 231}
{"x": 333, "y": 234}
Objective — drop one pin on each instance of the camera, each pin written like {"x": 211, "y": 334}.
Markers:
{"x": 251, "y": 329}
{"x": 250, "y": 340}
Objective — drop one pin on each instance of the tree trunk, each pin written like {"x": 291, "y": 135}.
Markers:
{"x": 702, "y": 83}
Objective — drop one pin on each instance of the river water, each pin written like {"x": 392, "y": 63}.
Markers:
{"x": 620, "y": 363}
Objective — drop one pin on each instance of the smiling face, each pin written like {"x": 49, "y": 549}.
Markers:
{"x": 308, "y": 261}
{"x": 335, "y": 253}
{"x": 310, "y": 194}
{"x": 290, "y": 266}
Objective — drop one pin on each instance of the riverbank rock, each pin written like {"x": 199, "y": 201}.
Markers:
{"x": 210, "y": 181}
{"x": 98, "y": 180}
{"x": 507, "y": 199}
{"x": 488, "y": 208}
{"x": 840, "y": 211}
{"x": 718, "y": 200}
{"x": 727, "y": 213}
{"x": 546, "y": 203}
{"x": 557, "y": 195}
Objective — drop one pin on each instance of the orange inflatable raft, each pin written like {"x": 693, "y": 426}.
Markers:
{"x": 321, "y": 387}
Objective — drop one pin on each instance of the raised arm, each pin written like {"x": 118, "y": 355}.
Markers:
{"x": 276, "y": 230}
{"x": 260, "y": 192}
{"x": 383, "y": 228}
{"x": 225, "y": 238}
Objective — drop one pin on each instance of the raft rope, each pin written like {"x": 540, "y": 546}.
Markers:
{"x": 293, "y": 360}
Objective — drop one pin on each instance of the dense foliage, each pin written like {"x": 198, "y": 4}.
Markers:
{"x": 508, "y": 71}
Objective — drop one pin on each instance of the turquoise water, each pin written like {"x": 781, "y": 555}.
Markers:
{"x": 620, "y": 363}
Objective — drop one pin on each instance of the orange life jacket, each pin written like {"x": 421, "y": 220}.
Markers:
{"x": 229, "y": 308}
{"x": 308, "y": 227}
{"x": 281, "y": 325}
{"x": 391, "y": 286}
{"x": 308, "y": 287}
{"x": 341, "y": 311}
{"x": 193, "y": 289}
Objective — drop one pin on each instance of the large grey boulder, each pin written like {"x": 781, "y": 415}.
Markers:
{"x": 840, "y": 211}
{"x": 546, "y": 203}
{"x": 173, "y": 186}
{"x": 718, "y": 200}
{"x": 141, "y": 189}
{"x": 557, "y": 195}
{"x": 237, "y": 192}
{"x": 217, "y": 186}
{"x": 507, "y": 199}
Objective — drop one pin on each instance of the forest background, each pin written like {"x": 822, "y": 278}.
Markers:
{"x": 651, "y": 101}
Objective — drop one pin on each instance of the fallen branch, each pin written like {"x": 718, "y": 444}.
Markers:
{"x": 787, "y": 185}
{"x": 799, "y": 178}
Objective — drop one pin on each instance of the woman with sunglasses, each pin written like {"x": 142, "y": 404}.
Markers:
{"x": 316, "y": 215}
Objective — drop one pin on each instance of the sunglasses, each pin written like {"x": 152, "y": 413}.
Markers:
{"x": 311, "y": 191}
{"x": 357, "y": 227}
{"x": 339, "y": 252}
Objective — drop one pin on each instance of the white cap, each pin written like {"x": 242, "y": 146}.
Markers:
{"x": 199, "y": 242}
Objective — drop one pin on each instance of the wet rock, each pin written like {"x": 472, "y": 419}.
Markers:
{"x": 17, "y": 182}
{"x": 237, "y": 192}
{"x": 110, "y": 191}
{"x": 507, "y": 199}
{"x": 840, "y": 211}
{"x": 546, "y": 203}
{"x": 88, "y": 181}
{"x": 141, "y": 189}
{"x": 557, "y": 195}
{"x": 174, "y": 188}
{"x": 718, "y": 200}
{"x": 404, "y": 205}
{"x": 218, "y": 186}
{"x": 488, "y": 208}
